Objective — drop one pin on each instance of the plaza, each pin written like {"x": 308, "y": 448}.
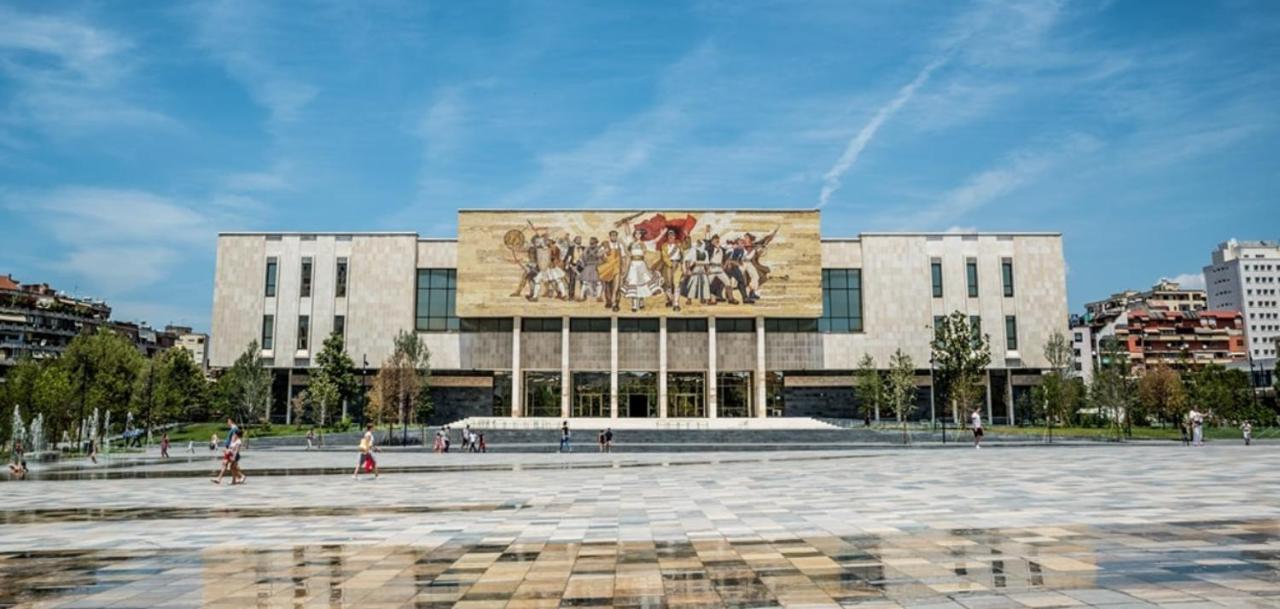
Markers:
{"x": 1085, "y": 524}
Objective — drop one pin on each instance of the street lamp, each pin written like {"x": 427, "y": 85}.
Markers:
{"x": 932, "y": 407}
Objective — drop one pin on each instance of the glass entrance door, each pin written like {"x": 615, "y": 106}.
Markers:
{"x": 686, "y": 394}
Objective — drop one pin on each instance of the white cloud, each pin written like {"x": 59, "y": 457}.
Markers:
{"x": 1188, "y": 281}
{"x": 69, "y": 76}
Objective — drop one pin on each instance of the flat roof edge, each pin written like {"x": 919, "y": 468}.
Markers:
{"x": 292, "y": 233}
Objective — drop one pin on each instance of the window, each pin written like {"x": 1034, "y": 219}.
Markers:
{"x": 306, "y": 278}
{"x": 632, "y": 324}
{"x": 971, "y": 271}
{"x": 841, "y": 301}
{"x": 541, "y": 324}
{"x": 268, "y": 332}
{"x": 304, "y": 332}
{"x": 935, "y": 268}
{"x": 1011, "y": 332}
{"x": 790, "y": 324}
{"x": 741, "y": 325}
{"x": 271, "y": 277}
{"x": 937, "y": 324}
{"x": 693, "y": 324}
{"x": 487, "y": 324}
{"x": 589, "y": 324}
{"x": 340, "y": 289}
{"x": 340, "y": 325}
{"x": 1079, "y": 336}
{"x": 1006, "y": 274}
{"x": 437, "y": 294}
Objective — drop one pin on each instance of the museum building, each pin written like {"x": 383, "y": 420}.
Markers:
{"x": 638, "y": 313}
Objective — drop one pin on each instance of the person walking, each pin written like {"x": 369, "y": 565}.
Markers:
{"x": 164, "y": 446}
{"x": 1184, "y": 432}
{"x": 1197, "y": 427}
{"x": 600, "y": 440}
{"x": 608, "y": 439}
{"x": 311, "y": 438}
{"x": 1247, "y": 430}
{"x": 93, "y": 451}
{"x": 564, "y": 438}
{"x": 237, "y": 443}
{"x": 484, "y": 448}
{"x": 366, "y": 462}
{"x": 975, "y": 420}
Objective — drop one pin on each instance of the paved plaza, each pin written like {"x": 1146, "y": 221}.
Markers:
{"x": 1005, "y": 527}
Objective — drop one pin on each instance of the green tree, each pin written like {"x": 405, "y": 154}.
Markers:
{"x": 243, "y": 392}
{"x": 324, "y": 397}
{"x": 1225, "y": 394}
{"x": 1162, "y": 395}
{"x": 961, "y": 354}
{"x": 900, "y": 390}
{"x": 410, "y": 365}
{"x": 18, "y": 389}
{"x": 1112, "y": 393}
{"x": 103, "y": 368}
{"x": 181, "y": 392}
{"x": 334, "y": 365}
{"x": 869, "y": 386}
{"x": 1057, "y": 394}
{"x": 54, "y": 398}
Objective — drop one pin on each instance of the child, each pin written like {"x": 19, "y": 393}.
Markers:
{"x": 1247, "y": 428}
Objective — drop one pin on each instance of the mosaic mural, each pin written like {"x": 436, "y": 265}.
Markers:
{"x": 639, "y": 263}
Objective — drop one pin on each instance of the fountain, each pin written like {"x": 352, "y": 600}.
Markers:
{"x": 106, "y": 431}
{"x": 37, "y": 434}
{"x": 18, "y": 434}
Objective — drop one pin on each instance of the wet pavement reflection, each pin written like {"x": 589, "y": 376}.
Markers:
{"x": 1205, "y": 564}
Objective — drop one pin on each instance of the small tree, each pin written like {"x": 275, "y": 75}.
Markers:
{"x": 1112, "y": 391}
{"x": 869, "y": 386}
{"x": 247, "y": 387}
{"x": 324, "y": 395}
{"x": 1162, "y": 395}
{"x": 961, "y": 354}
{"x": 901, "y": 388}
{"x": 1057, "y": 394}
{"x": 334, "y": 365}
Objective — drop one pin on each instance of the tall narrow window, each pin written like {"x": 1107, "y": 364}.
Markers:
{"x": 1011, "y": 332}
{"x": 971, "y": 271}
{"x": 1006, "y": 274}
{"x": 304, "y": 332}
{"x": 306, "y": 278}
{"x": 268, "y": 332}
{"x": 935, "y": 269}
{"x": 340, "y": 289}
{"x": 340, "y": 325}
{"x": 271, "y": 277}
{"x": 937, "y": 324}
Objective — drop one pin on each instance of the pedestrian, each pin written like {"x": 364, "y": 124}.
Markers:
{"x": 447, "y": 441}
{"x": 600, "y": 440}
{"x": 164, "y": 446}
{"x": 1184, "y": 432}
{"x": 311, "y": 438}
{"x": 466, "y": 438}
{"x": 367, "y": 463}
{"x": 608, "y": 440}
{"x": 564, "y": 438}
{"x": 93, "y": 451}
{"x": 438, "y": 444}
{"x": 484, "y": 448}
{"x": 191, "y": 447}
{"x": 237, "y": 443}
{"x": 976, "y": 420}
{"x": 1197, "y": 427}
{"x": 1247, "y": 429}
{"x": 17, "y": 450}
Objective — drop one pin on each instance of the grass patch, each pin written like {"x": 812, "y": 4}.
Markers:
{"x": 201, "y": 432}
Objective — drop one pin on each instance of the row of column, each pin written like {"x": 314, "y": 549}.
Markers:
{"x": 566, "y": 375}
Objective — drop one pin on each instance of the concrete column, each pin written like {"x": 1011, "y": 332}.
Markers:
{"x": 613, "y": 367}
{"x": 1008, "y": 394}
{"x": 566, "y": 383}
{"x": 662, "y": 367}
{"x": 711, "y": 368}
{"x": 517, "y": 393}
{"x": 988, "y": 394}
{"x": 761, "y": 399}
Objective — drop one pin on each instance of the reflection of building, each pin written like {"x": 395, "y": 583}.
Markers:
{"x": 873, "y": 295}
{"x": 38, "y": 321}
{"x": 1245, "y": 277}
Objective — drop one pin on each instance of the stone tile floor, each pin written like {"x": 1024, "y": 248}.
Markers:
{"x": 1105, "y": 526}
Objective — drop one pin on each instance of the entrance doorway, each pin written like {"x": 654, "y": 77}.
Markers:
{"x": 638, "y": 394}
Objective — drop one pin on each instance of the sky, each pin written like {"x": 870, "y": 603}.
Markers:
{"x": 132, "y": 133}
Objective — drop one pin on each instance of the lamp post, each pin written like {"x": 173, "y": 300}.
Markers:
{"x": 932, "y": 407}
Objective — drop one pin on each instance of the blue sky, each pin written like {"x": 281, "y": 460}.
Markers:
{"x": 131, "y": 133}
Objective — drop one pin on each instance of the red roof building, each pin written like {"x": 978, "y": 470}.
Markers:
{"x": 1182, "y": 339}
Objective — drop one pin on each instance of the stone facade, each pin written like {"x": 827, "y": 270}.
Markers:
{"x": 898, "y": 307}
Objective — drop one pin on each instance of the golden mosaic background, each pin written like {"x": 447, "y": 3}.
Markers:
{"x": 489, "y": 271}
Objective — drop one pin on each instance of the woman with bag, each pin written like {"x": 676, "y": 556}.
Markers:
{"x": 366, "y": 455}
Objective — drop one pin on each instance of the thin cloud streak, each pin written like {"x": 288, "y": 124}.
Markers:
{"x": 831, "y": 181}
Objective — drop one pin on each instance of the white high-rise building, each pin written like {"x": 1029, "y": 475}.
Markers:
{"x": 1245, "y": 277}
